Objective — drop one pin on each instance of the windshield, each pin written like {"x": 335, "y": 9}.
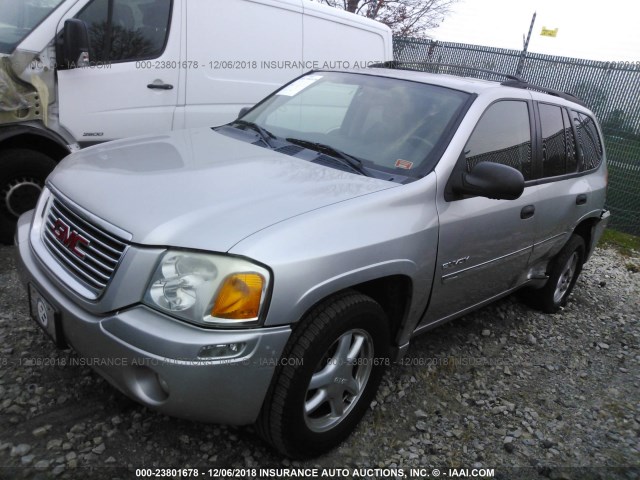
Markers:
{"x": 388, "y": 124}
{"x": 19, "y": 17}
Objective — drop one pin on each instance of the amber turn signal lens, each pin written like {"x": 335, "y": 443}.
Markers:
{"x": 239, "y": 297}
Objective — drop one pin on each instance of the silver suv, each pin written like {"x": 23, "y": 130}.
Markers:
{"x": 266, "y": 271}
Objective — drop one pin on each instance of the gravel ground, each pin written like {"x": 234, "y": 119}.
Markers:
{"x": 527, "y": 394}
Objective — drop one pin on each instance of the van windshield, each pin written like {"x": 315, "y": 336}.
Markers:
{"x": 19, "y": 18}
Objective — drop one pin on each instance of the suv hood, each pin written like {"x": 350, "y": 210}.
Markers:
{"x": 199, "y": 189}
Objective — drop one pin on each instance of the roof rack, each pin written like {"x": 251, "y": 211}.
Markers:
{"x": 551, "y": 91}
{"x": 515, "y": 81}
{"x": 402, "y": 65}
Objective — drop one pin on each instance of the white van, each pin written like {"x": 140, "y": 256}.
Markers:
{"x": 74, "y": 73}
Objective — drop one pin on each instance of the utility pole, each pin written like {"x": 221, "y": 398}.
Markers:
{"x": 525, "y": 46}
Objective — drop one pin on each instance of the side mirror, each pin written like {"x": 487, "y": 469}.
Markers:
{"x": 491, "y": 180}
{"x": 243, "y": 111}
{"x": 75, "y": 44}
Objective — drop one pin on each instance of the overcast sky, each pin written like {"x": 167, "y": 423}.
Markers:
{"x": 608, "y": 30}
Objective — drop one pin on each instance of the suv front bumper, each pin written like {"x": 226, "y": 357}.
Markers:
{"x": 154, "y": 359}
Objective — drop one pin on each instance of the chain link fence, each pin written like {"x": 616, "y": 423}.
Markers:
{"x": 610, "y": 89}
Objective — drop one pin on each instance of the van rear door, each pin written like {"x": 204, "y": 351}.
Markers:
{"x": 336, "y": 39}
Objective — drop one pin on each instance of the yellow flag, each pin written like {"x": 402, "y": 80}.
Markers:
{"x": 547, "y": 32}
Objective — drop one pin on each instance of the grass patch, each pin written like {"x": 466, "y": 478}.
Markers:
{"x": 632, "y": 267}
{"x": 628, "y": 245}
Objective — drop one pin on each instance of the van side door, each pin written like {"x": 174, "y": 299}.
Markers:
{"x": 246, "y": 49}
{"x": 484, "y": 245}
{"x": 131, "y": 87}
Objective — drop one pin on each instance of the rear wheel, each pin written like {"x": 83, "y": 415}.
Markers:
{"x": 22, "y": 176}
{"x": 333, "y": 366}
{"x": 563, "y": 274}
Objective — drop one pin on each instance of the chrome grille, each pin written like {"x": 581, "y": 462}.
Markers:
{"x": 101, "y": 257}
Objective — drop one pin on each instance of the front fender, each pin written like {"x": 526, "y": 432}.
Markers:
{"x": 319, "y": 253}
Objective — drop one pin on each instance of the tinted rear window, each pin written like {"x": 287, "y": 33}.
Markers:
{"x": 558, "y": 145}
{"x": 588, "y": 140}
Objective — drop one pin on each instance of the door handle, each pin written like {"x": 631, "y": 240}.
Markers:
{"x": 160, "y": 86}
{"x": 527, "y": 212}
{"x": 581, "y": 199}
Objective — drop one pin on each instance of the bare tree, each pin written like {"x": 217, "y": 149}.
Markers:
{"x": 405, "y": 17}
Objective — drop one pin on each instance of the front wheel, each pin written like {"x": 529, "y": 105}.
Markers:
{"x": 334, "y": 363}
{"x": 22, "y": 176}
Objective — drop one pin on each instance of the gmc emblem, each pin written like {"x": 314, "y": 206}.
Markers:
{"x": 71, "y": 239}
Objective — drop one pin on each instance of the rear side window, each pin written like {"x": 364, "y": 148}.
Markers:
{"x": 558, "y": 145}
{"x": 126, "y": 30}
{"x": 588, "y": 140}
{"x": 503, "y": 135}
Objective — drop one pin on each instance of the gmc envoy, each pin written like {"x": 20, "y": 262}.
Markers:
{"x": 266, "y": 271}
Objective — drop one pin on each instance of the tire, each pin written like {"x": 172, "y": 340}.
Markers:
{"x": 317, "y": 352}
{"x": 22, "y": 176}
{"x": 563, "y": 272}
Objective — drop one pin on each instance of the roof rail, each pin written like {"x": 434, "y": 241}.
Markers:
{"x": 551, "y": 91}
{"x": 402, "y": 65}
{"x": 515, "y": 81}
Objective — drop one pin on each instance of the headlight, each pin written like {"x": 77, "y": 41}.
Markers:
{"x": 209, "y": 290}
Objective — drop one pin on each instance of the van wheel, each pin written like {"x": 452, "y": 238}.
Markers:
{"x": 22, "y": 176}
{"x": 563, "y": 273}
{"x": 331, "y": 369}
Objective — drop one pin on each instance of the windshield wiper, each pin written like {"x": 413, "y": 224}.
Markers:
{"x": 265, "y": 135}
{"x": 354, "y": 162}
